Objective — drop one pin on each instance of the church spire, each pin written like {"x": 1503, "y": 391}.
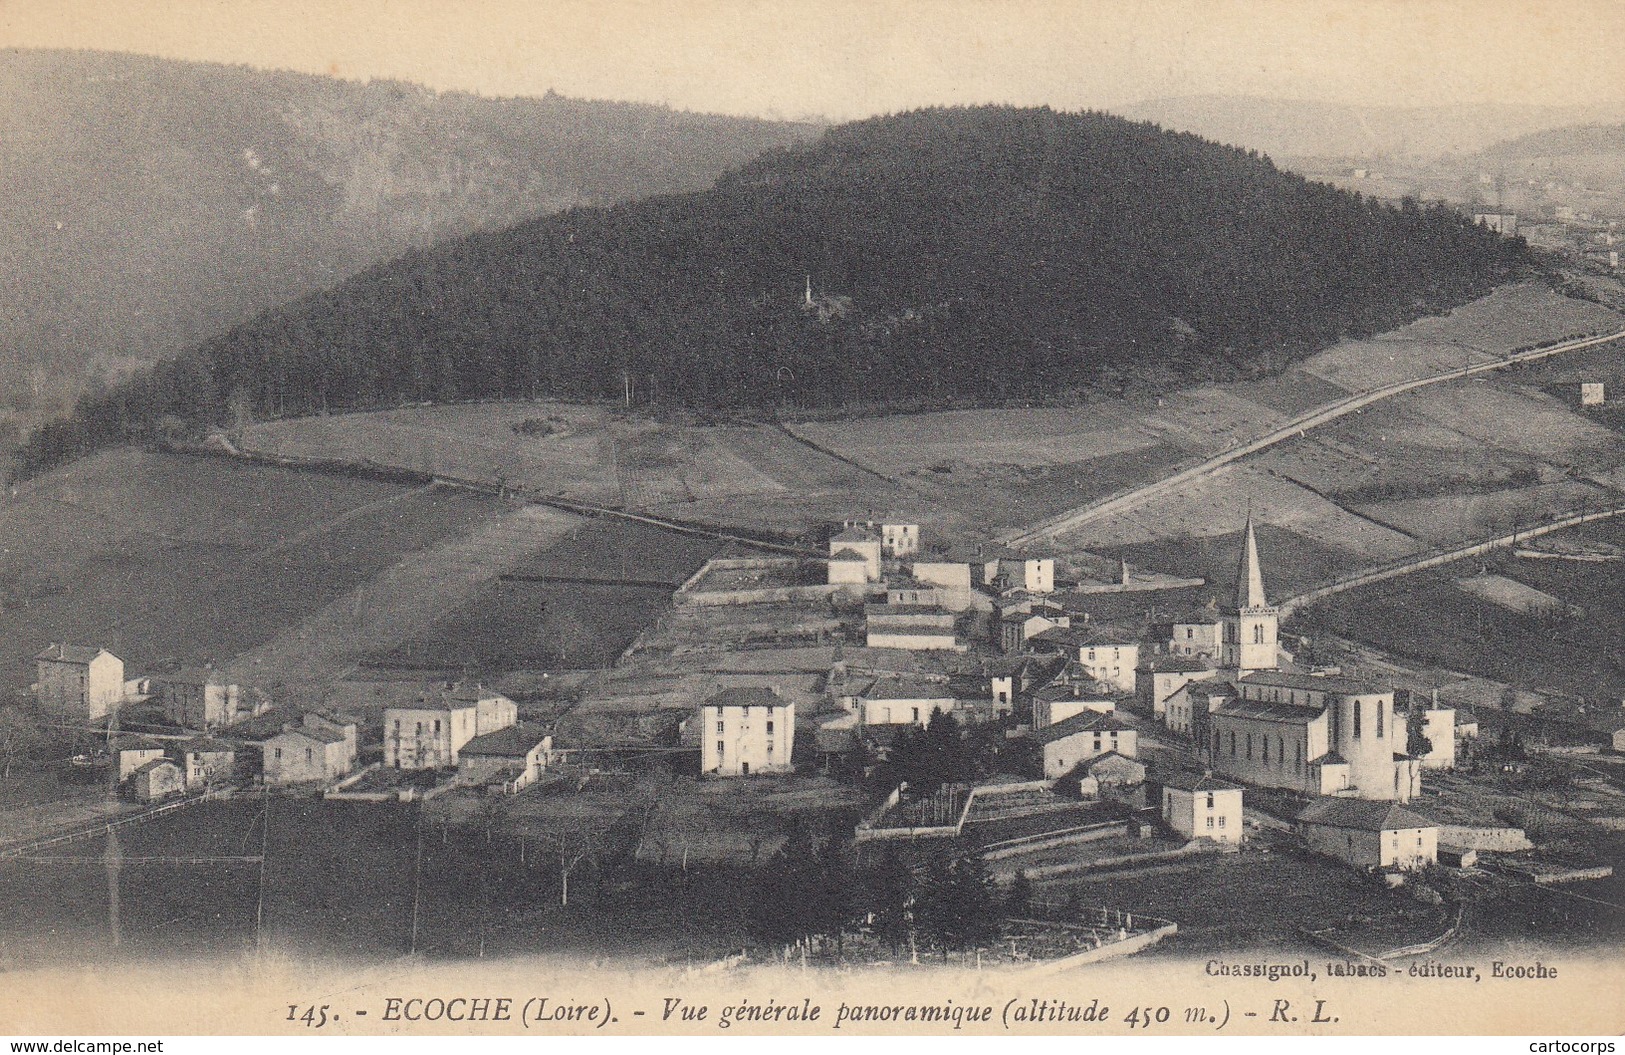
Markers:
{"x": 1249, "y": 574}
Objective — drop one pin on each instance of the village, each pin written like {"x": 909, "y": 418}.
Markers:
{"x": 1026, "y": 736}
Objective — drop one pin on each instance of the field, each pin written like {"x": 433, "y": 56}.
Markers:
{"x": 171, "y": 559}
{"x": 970, "y": 474}
{"x": 511, "y": 624}
{"x": 1426, "y": 617}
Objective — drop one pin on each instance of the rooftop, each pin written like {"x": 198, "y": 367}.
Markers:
{"x": 64, "y": 653}
{"x": 516, "y": 741}
{"x": 320, "y": 735}
{"x": 1174, "y": 665}
{"x": 193, "y": 676}
{"x": 1188, "y": 780}
{"x": 853, "y": 534}
{"x": 907, "y": 689}
{"x": 1087, "y": 722}
{"x": 207, "y": 745}
{"x": 1290, "y": 679}
{"x": 1362, "y": 815}
{"x": 1269, "y": 712}
{"x": 752, "y": 696}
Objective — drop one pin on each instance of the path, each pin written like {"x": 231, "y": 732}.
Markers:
{"x": 400, "y": 601}
{"x": 1075, "y": 518}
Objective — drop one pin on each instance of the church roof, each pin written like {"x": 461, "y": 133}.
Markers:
{"x": 1268, "y": 712}
{"x": 1333, "y": 683}
{"x": 1249, "y": 573}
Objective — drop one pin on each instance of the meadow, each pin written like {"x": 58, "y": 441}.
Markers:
{"x": 174, "y": 559}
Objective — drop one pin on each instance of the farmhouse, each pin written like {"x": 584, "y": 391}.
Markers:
{"x": 429, "y": 734}
{"x": 1081, "y": 738}
{"x": 859, "y": 542}
{"x": 1159, "y": 677}
{"x": 205, "y": 761}
{"x": 1023, "y": 572}
{"x": 902, "y": 701}
{"x": 951, "y": 578}
{"x": 848, "y": 567}
{"x": 199, "y": 698}
{"x": 158, "y": 779}
{"x": 1110, "y": 774}
{"x": 1109, "y": 655}
{"x": 83, "y": 682}
{"x": 745, "y": 731}
{"x": 518, "y": 755}
{"x": 1198, "y": 633}
{"x": 1202, "y": 806}
{"x": 130, "y": 753}
{"x": 1186, "y": 711}
{"x": 302, "y": 754}
{"x": 1364, "y": 834}
{"x": 1067, "y": 696}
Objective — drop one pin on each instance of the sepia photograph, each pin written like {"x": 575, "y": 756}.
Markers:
{"x": 1027, "y": 518}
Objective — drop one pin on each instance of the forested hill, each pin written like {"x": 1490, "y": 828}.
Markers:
{"x": 150, "y": 204}
{"x": 1559, "y": 142}
{"x": 966, "y": 254}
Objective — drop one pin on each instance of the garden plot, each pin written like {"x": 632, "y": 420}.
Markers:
{"x": 1512, "y": 594}
{"x": 1448, "y": 519}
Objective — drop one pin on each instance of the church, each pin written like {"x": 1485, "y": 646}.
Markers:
{"x": 1314, "y": 733}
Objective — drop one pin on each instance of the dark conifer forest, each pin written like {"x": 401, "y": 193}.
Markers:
{"x": 979, "y": 255}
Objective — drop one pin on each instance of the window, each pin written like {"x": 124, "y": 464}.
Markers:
{"x": 1258, "y": 633}
{"x": 307, "y": 756}
{"x": 437, "y": 727}
{"x": 719, "y": 727}
{"x": 916, "y": 714}
{"x": 1210, "y": 822}
{"x": 1266, "y": 748}
{"x": 720, "y": 750}
{"x": 1221, "y": 821}
{"x": 769, "y": 750}
{"x": 1190, "y": 633}
{"x": 1357, "y": 719}
{"x": 279, "y": 754}
{"x": 1210, "y": 800}
{"x": 1249, "y": 745}
{"x": 1232, "y": 743}
{"x": 770, "y": 731}
{"x": 420, "y": 729}
{"x": 1380, "y": 723}
{"x": 397, "y": 727}
{"x": 1280, "y": 750}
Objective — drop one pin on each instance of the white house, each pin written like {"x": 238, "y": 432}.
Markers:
{"x": 903, "y": 701}
{"x": 859, "y": 541}
{"x": 83, "y": 682}
{"x": 303, "y": 754}
{"x": 158, "y": 779}
{"x": 205, "y": 761}
{"x": 430, "y": 733}
{"x": 1202, "y": 806}
{"x": 1081, "y": 738}
{"x": 1369, "y": 834}
{"x": 519, "y": 753}
{"x": 745, "y": 731}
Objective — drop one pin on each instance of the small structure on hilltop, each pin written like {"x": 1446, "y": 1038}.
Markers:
{"x": 79, "y": 682}
{"x": 746, "y": 731}
{"x": 1374, "y": 835}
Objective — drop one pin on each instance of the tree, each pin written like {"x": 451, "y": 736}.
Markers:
{"x": 1417, "y": 745}
{"x": 1018, "y": 901}
{"x": 20, "y": 737}
{"x": 888, "y": 897}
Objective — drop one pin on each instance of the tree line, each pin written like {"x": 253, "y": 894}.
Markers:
{"x": 980, "y": 255}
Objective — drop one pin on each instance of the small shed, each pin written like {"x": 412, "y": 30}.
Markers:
{"x": 158, "y": 779}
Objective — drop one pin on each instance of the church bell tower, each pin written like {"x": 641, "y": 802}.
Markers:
{"x": 1251, "y": 623}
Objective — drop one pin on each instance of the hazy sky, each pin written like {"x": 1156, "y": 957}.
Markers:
{"x": 846, "y": 58}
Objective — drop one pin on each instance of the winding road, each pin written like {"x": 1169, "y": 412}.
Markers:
{"x": 1075, "y": 518}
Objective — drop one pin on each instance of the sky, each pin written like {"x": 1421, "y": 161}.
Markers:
{"x": 842, "y": 59}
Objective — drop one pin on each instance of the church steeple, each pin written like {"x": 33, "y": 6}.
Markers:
{"x": 1249, "y": 573}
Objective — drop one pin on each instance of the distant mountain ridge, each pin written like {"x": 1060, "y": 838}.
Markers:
{"x": 962, "y": 255}
{"x": 1562, "y": 142}
{"x": 1301, "y": 128}
{"x": 150, "y": 204}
